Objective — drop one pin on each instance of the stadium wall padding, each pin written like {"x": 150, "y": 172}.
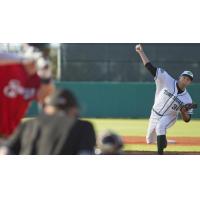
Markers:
{"x": 116, "y": 100}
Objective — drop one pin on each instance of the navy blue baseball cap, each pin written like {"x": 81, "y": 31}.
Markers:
{"x": 62, "y": 99}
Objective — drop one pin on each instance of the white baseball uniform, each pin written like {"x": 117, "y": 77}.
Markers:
{"x": 167, "y": 105}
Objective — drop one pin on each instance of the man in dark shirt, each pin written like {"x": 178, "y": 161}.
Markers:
{"x": 57, "y": 131}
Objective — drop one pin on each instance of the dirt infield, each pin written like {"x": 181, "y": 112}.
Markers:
{"x": 165, "y": 153}
{"x": 181, "y": 141}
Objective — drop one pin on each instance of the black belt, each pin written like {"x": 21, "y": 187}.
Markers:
{"x": 157, "y": 113}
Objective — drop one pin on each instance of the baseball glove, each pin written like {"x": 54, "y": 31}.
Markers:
{"x": 189, "y": 106}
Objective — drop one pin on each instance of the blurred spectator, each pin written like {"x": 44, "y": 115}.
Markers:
{"x": 24, "y": 77}
{"x": 110, "y": 144}
{"x": 57, "y": 131}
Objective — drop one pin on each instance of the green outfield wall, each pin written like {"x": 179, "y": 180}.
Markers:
{"x": 116, "y": 100}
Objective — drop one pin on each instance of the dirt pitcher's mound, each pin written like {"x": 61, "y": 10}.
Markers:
{"x": 181, "y": 141}
{"x": 165, "y": 153}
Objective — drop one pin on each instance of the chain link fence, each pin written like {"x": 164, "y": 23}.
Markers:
{"x": 119, "y": 62}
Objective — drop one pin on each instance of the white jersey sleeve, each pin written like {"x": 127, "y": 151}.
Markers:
{"x": 162, "y": 79}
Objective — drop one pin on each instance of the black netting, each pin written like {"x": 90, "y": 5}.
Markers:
{"x": 120, "y": 62}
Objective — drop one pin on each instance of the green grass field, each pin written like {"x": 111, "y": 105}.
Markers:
{"x": 137, "y": 127}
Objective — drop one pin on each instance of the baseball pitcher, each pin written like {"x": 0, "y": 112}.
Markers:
{"x": 171, "y": 98}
